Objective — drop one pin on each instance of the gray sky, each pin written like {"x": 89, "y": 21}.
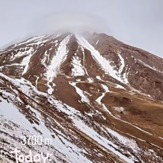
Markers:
{"x": 135, "y": 22}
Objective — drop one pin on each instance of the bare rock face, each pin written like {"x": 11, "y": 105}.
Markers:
{"x": 89, "y": 98}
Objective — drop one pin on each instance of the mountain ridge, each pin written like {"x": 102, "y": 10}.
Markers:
{"x": 93, "y": 94}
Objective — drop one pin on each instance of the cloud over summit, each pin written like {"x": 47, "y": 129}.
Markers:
{"x": 69, "y": 22}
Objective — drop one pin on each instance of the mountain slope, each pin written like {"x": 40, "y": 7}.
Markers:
{"x": 96, "y": 98}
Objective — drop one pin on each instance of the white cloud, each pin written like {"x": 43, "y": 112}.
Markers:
{"x": 138, "y": 23}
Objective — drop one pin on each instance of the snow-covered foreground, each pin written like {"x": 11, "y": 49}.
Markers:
{"x": 63, "y": 144}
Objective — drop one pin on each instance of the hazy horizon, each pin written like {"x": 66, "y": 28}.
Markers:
{"x": 136, "y": 23}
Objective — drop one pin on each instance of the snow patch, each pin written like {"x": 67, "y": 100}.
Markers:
{"x": 119, "y": 86}
{"x": 26, "y": 60}
{"x": 122, "y": 67}
{"x": 77, "y": 69}
{"x": 119, "y": 109}
{"x": 106, "y": 90}
{"x": 84, "y": 98}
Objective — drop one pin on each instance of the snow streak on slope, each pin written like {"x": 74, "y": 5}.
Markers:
{"x": 57, "y": 60}
{"x": 122, "y": 67}
{"x": 103, "y": 94}
{"x": 77, "y": 69}
{"x": 44, "y": 59}
{"x": 105, "y": 65}
{"x": 84, "y": 98}
{"x": 122, "y": 63}
{"x": 26, "y": 60}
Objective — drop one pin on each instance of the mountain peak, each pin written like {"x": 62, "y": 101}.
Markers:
{"x": 94, "y": 96}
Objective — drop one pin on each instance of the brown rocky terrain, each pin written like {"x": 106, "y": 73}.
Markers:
{"x": 96, "y": 98}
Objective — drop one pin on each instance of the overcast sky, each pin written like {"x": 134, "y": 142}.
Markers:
{"x": 135, "y": 22}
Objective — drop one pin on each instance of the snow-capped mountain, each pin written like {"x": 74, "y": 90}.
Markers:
{"x": 96, "y": 98}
